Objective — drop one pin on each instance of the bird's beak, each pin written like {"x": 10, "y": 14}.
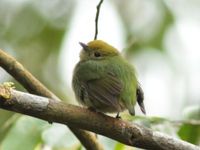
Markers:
{"x": 85, "y": 47}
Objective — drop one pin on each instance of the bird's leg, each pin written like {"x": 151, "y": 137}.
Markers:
{"x": 118, "y": 116}
{"x": 92, "y": 109}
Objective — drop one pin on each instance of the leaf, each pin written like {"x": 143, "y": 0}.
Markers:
{"x": 25, "y": 134}
{"x": 119, "y": 146}
{"x": 59, "y": 135}
{"x": 190, "y": 133}
{"x": 192, "y": 112}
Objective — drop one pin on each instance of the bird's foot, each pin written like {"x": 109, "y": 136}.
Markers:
{"x": 92, "y": 109}
{"x": 118, "y": 116}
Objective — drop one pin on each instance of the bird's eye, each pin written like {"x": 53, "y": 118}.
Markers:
{"x": 96, "y": 54}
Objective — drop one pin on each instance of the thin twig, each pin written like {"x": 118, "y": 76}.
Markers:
{"x": 56, "y": 111}
{"x": 97, "y": 19}
{"x": 31, "y": 84}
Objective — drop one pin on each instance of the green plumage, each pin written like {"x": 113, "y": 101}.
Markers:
{"x": 104, "y": 80}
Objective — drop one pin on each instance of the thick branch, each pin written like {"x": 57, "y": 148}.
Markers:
{"x": 32, "y": 85}
{"x": 60, "y": 112}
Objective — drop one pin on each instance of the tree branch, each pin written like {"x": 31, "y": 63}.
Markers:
{"x": 32, "y": 85}
{"x": 25, "y": 78}
{"x": 97, "y": 19}
{"x": 117, "y": 129}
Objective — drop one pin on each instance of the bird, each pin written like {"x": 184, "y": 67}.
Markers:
{"x": 104, "y": 81}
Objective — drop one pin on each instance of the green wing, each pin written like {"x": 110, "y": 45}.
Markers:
{"x": 106, "y": 90}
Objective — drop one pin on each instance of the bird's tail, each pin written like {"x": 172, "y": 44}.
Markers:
{"x": 140, "y": 99}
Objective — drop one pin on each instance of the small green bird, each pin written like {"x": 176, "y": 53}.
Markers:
{"x": 104, "y": 81}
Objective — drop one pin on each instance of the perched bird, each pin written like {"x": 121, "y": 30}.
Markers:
{"x": 104, "y": 81}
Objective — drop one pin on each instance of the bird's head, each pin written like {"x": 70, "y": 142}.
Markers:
{"x": 97, "y": 50}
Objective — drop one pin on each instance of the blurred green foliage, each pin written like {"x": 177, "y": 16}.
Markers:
{"x": 190, "y": 133}
{"x": 5, "y": 116}
{"x": 28, "y": 131}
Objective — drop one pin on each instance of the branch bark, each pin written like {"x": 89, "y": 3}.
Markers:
{"x": 32, "y": 85}
{"x": 117, "y": 129}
